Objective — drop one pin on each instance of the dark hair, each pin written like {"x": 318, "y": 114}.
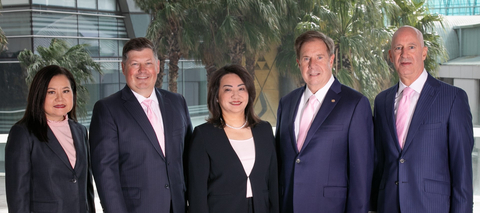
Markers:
{"x": 34, "y": 116}
{"x": 213, "y": 87}
{"x": 311, "y": 35}
{"x": 137, "y": 44}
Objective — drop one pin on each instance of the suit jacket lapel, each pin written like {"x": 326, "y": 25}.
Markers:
{"x": 426, "y": 99}
{"x": 331, "y": 99}
{"x": 57, "y": 148}
{"x": 390, "y": 113}
{"x": 166, "y": 110}
{"x": 79, "y": 144}
{"x": 133, "y": 106}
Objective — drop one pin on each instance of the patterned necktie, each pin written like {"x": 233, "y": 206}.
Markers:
{"x": 306, "y": 121}
{"x": 403, "y": 116}
{"x": 155, "y": 123}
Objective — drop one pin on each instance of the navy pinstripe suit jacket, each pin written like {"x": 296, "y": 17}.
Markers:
{"x": 433, "y": 172}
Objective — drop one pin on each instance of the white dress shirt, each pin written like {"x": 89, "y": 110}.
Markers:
{"x": 417, "y": 87}
{"x": 320, "y": 94}
{"x": 156, "y": 109}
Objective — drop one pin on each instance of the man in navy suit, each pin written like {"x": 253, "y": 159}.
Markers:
{"x": 423, "y": 138}
{"x": 326, "y": 157}
{"x": 137, "y": 138}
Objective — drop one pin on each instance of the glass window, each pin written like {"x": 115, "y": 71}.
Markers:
{"x": 14, "y": 2}
{"x": 14, "y": 24}
{"x": 108, "y": 48}
{"x": 45, "y": 42}
{"x": 93, "y": 47}
{"x": 108, "y": 27}
{"x": 87, "y": 26}
{"x": 15, "y": 45}
{"x": 60, "y": 3}
{"x": 14, "y": 95}
{"x": 87, "y": 4}
{"x": 108, "y": 5}
{"x": 54, "y": 24}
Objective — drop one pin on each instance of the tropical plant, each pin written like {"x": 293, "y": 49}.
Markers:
{"x": 76, "y": 59}
{"x": 166, "y": 31}
{"x": 230, "y": 31}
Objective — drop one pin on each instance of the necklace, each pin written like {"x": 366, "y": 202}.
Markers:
{"x": 237, "y": 127}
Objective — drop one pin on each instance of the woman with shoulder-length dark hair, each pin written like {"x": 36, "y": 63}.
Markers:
{"x": 232, "y": 165}
{"x": 47, "y": 166}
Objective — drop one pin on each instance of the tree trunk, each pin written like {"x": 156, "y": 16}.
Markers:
{"x": 161, "y": 73}
{"x": 250, "y": 64}
{"x": 236, "y": 51}
{"x": 174, "y": 55}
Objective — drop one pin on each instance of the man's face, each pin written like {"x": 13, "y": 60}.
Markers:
{"x": 140, "y": 70}
{"x": 315, "y": 64}
{"x": 407, "y": 54}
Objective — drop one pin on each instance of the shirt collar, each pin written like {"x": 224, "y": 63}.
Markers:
{"x": 152, "y": 96}
{"x": 321, "y": 93}
{"x": 417, "y": 85}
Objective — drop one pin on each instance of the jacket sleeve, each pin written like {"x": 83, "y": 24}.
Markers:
{"x": 360, "y": 158}
{"x": 18, "y": 169}
{"x": 198, "y": 172}
{"x": 460, "y": 146}
{"x": 105, "y": 159}
{"x": 90, "y": 191}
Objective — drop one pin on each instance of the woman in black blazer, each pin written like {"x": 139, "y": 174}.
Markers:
{"x": 232, "y": 165}
{"x": 47, "y": 167}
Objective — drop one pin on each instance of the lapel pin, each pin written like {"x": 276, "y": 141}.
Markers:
{"x": 333, "y": 100}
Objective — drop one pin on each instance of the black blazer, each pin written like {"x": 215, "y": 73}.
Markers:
{"x": 217, "y": 180}
{"x": 39, "y": 177}
{"x": 131, "y": 173}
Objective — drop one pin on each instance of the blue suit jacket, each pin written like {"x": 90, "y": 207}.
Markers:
{"x": 433, "y": 172}
{"x": 130, "y": 170}
{"x": 333, "y": 171}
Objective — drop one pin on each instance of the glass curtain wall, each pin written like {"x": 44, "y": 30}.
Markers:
{"x": 454, "y": 7}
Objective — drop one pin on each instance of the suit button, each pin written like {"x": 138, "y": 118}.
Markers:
{"x": 73, "y": 180}
{"x": 396, "y": 182}
{"x": 167, "y": 186}
{"x": 297, "y": 161}
{"x": 402, "y": 160}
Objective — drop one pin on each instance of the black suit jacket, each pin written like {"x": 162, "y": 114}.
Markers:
{"x": 217, "y": 180}
{"x": 39, "y": 176}
{"x": 130, "y": 170}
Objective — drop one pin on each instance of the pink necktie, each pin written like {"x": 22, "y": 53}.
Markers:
{"x": 306, "y": 120}
{"x": 155, "y": 123}
{"x": 402, "y": 115}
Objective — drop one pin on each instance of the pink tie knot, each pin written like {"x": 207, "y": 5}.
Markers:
{"x": 407, "y": 92}
{"x": 147, "y": 102}
{"x": 312, "y": 100}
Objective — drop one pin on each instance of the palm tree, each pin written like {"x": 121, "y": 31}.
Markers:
{"x": 76, "y": 59}
{"x": 232, "y": 30}
{"x": 414, "y": 14}
{"x": 166, "y": 31}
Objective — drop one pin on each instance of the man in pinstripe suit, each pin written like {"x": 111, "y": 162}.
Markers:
{"x": 423, "y": 138}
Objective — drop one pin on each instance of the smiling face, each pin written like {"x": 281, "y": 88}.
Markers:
{"x": 315, "y": 64}
{"x": 232, "y": 95}
{"x": 59, "y": 98}
{"x": 407, "y": 54}
{"x": 140, "y": 70}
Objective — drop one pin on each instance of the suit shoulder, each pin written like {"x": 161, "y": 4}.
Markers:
{"x": 111, "y": 98}
{"x": 263, "y": 124}
{"x": 170, "y": 95}
{"x": 352, "y": 93}
{"x": 293, "y": 94}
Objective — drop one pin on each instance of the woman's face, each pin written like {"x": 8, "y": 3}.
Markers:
{"x": 59, "y": 98}
{"x": 232, "y": 94}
